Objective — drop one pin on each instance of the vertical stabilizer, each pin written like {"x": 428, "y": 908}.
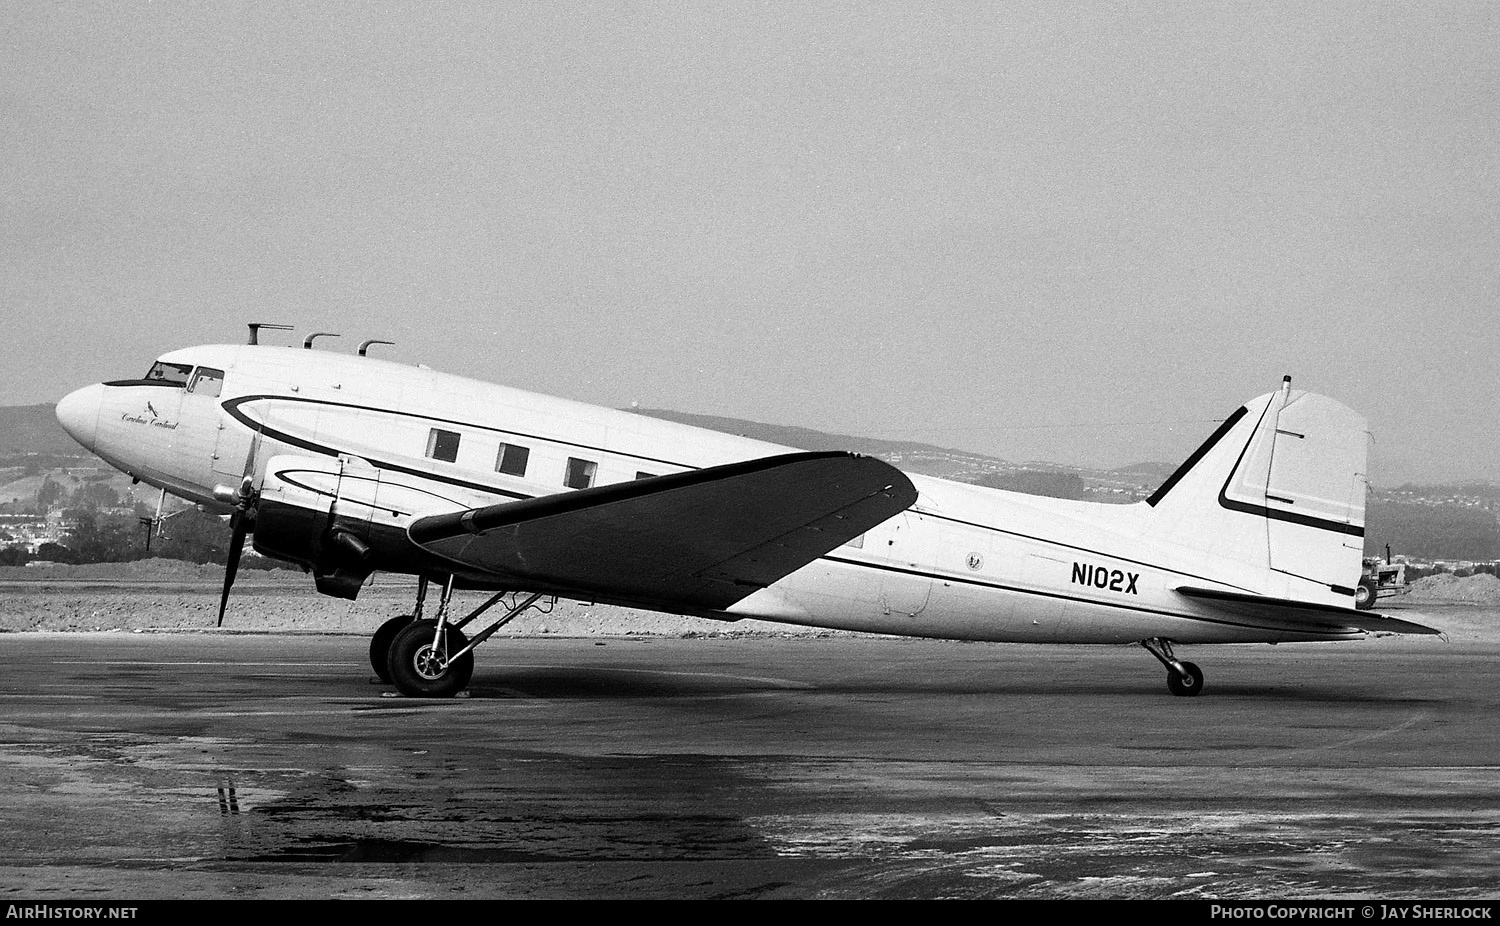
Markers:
{"x": 1280, "y": 486}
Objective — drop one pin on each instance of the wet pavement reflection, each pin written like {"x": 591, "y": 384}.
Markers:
{"x": 157, "y": 766}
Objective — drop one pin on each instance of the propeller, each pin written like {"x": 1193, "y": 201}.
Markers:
{"x": 244, "y": 499}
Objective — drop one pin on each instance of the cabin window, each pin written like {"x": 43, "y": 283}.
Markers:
{"x": 511, "y": 460}
{"x": 207, "y": 382}
{"x": 442, "y": 445}
{"x": 580, "y": 473}
{"x": 163, "y": 372}
{"x": 644, "y": 475}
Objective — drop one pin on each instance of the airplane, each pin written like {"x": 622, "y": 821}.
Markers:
{"x": 346, "y": 465}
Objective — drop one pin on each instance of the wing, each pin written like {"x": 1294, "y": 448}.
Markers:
{"x": 700, "y": 540}
{"x": 1301, "y": 615}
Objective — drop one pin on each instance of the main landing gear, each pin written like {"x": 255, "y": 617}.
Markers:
{"x": 432, "y": 658}
{"x": 1184, "y": 679}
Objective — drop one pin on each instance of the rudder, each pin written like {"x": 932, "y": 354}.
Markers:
{"x": 1281, "y": 486}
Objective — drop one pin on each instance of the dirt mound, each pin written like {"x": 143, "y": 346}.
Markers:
{"x": 1481, "y": 588}
{"x": 139, "y": 571}
{"x": 144, "y": 570}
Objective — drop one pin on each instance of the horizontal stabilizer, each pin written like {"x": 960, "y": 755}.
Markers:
{"x": 699, "y": 540}
{"x": 1302, "y": 614}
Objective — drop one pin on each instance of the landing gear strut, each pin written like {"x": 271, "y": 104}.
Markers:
{"x": 426, "y": 658}
{"x": 429, "y": 660}
{"x": 1184, "y": 679}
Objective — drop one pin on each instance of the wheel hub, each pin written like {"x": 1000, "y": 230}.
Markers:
{"x": 430, "y": 663}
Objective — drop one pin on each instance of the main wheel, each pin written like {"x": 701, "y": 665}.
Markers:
{"x": 1364, "y": 594}
{"x": 420, "y": 671}
{"x": 1186, "y": 685}
{"x": 380, "y": 645}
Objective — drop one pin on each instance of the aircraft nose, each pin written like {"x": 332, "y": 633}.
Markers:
{"x": 78, "y": 413}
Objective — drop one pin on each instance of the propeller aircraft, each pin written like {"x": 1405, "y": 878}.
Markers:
{"x": 347, "y": 465}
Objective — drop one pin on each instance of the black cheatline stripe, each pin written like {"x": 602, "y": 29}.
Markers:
{"x": 325, "y": 450}
{"x": 627, "y": 489}
{"x": 286, "y": 476}
{"x": 1069, "y": 546}
{"x": 1265, "y": 511}
{"x": 170, "y": 383}
{"x": 1200, "y": 453}
{"x": 1073, "y": 598}
{"x": 232, "y": 407}
{"x": 1305, "y": 520}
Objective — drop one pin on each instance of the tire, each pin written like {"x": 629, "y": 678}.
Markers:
{"x": 410, "y": 662}
{"x": 1364, "y": 594}
{"x": 1186, "y": 686}
{"x": 380, "y": 645}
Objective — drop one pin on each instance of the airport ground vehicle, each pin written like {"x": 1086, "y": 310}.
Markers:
{"x": 1378, "y": 579}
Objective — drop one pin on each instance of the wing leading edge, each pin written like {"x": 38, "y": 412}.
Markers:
{"x": 1302, "y": 615}
{"x": 699, "y": 540}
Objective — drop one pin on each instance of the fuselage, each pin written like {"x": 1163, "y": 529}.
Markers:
{"x": 963, "y": 562}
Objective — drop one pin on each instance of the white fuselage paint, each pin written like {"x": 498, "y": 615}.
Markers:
{"x": 964, "y": 562}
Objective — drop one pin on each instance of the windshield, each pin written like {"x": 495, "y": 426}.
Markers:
{"x": 207, "y": 382}
{"x": 169, "y": 372}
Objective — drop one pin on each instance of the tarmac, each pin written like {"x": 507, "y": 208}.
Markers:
{"x": 224, "y": 764}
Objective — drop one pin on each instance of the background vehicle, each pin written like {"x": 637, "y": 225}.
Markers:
{"x": 1379, "y": 580}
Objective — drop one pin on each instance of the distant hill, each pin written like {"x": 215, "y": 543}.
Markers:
{"x": 1039, "y": 482}
{"x": 1127, "y": 484}
{"x": 790, "y": 436}
{"x": 1150, "y": 472}
{"x": 1456, "y": 522}
{"x": 1432, "y": 531}
{"x": 33, "y": 429}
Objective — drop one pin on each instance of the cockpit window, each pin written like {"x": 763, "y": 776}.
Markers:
{"x": 207, "y": 382}
{"x": 169, "y": 372}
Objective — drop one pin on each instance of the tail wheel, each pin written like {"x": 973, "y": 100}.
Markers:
{"x": 421, "y": 670}
{"x": 380, "y": 645}
{"x": 1187, "y": 684}
{"x": 1364, "y": 594}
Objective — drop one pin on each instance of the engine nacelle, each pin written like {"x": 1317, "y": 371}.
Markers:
{"x": 342, "y": 518}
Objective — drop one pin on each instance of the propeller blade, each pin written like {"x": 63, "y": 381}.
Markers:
{"x": 250, "y": 457}
{"x": 238, "y": 529}
{"x": 239, "y": 523}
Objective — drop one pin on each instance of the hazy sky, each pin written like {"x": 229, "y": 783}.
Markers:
{"x": 1070, "y": 232}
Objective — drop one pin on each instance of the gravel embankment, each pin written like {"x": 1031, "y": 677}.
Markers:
{"x": 171, "y": 595}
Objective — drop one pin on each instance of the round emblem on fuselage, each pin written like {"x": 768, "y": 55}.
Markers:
{"x": 975, "y": 561}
